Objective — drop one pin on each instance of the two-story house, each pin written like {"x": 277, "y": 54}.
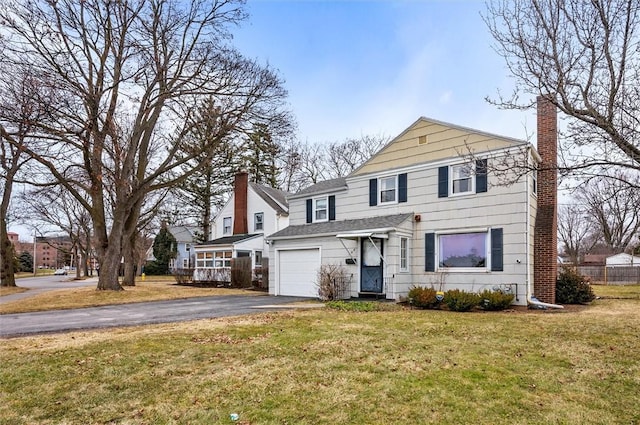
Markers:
{"x": 428, "y": 209}
{"x": 185, "y": 240}
{"x": 239, "y": 229}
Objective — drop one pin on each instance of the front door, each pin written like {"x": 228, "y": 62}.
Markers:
{"x": 372, "y": 264}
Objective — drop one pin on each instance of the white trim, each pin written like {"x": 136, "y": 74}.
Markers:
{"x": 487, "y": 267}
{"x": 314, "y": 209}
{"x": 395, "y": 189}
{"x": 471, "y": 178}
{"x": 362, "y": 235}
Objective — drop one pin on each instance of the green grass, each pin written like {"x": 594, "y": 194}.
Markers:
{"x": 617, "y": 291}
{"x": 336, "y": 367}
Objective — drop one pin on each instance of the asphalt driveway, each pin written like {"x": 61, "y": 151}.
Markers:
{"x": 20, "y": 324}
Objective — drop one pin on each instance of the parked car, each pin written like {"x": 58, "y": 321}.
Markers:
{"x": 60, "y": 272}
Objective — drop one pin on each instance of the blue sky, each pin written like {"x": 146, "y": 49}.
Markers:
{"x": 356, "y": 67}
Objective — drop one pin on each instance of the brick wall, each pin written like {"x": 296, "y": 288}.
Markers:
{"x": 545, "y": 250}
{"x": 241, "y": 183}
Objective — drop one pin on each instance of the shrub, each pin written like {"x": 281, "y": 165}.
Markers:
{"x": 155, "y": 268}
{"x": 458, "y": 300}
{"x": 333, "y": 282}
{"x": 183, "y": 276}
{"x": 422, "y": 297}
{"x": 573, "y": 288}
{"x": 495, "y": 300}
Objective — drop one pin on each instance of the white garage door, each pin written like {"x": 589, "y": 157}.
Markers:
{"x": 297, "y": 272}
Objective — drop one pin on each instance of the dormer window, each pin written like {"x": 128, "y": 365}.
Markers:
{"x": 320, "y": 209}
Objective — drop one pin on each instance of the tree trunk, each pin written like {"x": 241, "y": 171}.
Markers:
{"x": 109, "y": 248}
{"x": 7, "y": 276}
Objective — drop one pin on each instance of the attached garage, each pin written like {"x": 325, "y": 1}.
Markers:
{"x": 297, "y": 271}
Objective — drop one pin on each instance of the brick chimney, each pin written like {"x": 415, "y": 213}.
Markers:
{"x": 545, "y": 249}
{"x": 240, "y": 225}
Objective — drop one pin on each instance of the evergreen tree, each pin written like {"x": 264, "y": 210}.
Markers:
{"x": 25, "y": 262}
{"x": 261, "y": 152}
{"x": 207, "y": 189}
{"x": 165, "y": 248}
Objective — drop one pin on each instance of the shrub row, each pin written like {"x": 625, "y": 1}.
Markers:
{"x": 457, "y": 300}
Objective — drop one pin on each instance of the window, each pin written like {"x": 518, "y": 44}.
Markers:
{"x": 258, "y": 259}
{"x": 258, "y": 221}
{"x": 461, "y": 178}
{"x": 320, "y": 209}
{"x": 222, "y": 259}
{"x": 388, "y": 189}
{"x": 185, "y": 263}
{"x": 214, "y": 259}
{"x": 534, "y": 181}
{"x": 404, "y": 254}
{"x": 226, "y": 226}
{"x": 204, "y": 260}
{"x": 462, "y": 250}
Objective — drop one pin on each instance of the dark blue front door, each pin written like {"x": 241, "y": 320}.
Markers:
{"x": 371, "y": 269}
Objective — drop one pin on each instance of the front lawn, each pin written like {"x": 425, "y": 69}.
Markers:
{"x": 152, "y": 289}
{"x": 336, "y": 367}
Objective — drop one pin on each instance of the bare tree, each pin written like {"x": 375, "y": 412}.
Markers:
{"x": 582, "y": 56}
{"x": 18, "y": 111}
{"x": 54, "y": 207}
{"x": 127, "y": 76}
{"x": 614, "y": 207}
{"x": 304, "y": 164}
{"x": 576, "y": 231}
{"x": 344, "y": 157}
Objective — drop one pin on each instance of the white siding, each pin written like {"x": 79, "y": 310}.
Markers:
{"x": 272, "y": 222}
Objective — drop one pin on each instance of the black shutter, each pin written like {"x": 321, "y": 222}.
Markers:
{"x": 402, "y": 187}
{"x": 332, "y": 208}
{"x": 443, "y": 182}
{"x": 481, "y": 175}
{"x": 430, "y": 252}
{"x": 373, "y": 192}
{"x": 309, "y": 210}
{"x": 497, "y": 262}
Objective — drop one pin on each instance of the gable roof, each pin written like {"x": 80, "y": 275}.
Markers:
{"x": 183, "y": 233}
{"x": 229, "y": 240}
{"x": 429, "y": 140}
{"x": 332, "y": 185}
{"x": 335, "y": 227}
{"x": 277, "y": 199}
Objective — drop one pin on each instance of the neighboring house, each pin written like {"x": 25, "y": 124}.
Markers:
{"x": 623, "y": 260}
{"x": 422, "y": 211}
{"x": 239, "y": 230}
{"x": 185, "y": 238}
{"x": 594, "y": 260}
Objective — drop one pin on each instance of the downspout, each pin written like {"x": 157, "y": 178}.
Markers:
{"x": 532, "y": 301}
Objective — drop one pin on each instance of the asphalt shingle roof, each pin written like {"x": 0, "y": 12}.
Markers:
{"x": 325, "y": 186}
{"x": 277, "y": 199}
{"x": 229, "y": 240}
{"x": 335, "y": 227}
